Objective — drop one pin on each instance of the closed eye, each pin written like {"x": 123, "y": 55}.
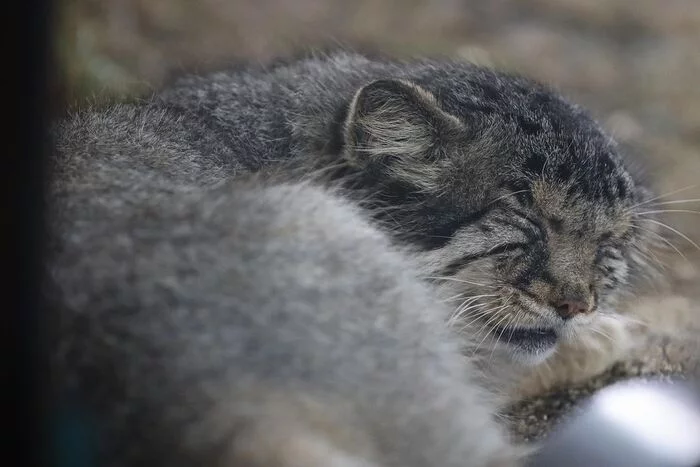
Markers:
{"x": 523, "y": 223}
{"x": 454, "y": 266}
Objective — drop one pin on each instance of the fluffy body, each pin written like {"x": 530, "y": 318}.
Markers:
{"x": 251, "y": 324}
{"x": 208, "y": 318}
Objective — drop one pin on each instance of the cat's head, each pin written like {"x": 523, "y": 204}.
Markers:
{"x": 512, "y": 195}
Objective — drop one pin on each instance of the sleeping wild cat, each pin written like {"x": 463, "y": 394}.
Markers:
{"x": 207, "y": 318}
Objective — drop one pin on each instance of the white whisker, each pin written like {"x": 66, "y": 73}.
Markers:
{"x": 476, "y": 317}
{"x": 600, "y": 332}
{"x": 448, "y": 278}
{"x": 663, "y": 239}
{"x": 518, "y": 317}
{"x": 680, "y": 234}
{"x": 467, "y": 303}
{"x": 675, "y": 201}
{"x": 491, "y": 328}
{"x": 488, "y": 330}
{"x": 458, "y": 296}
{"x": 503, "y": 329}
{"x": 665, "y": 195}
{"x": 466, "y": 310}
{"x": 663, "y": 211}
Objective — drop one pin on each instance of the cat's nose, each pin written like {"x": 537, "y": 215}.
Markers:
{"x": 567, "y": 309}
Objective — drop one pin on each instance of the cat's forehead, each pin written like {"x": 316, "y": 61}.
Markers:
{"x": 563, "y": 209}
{"x": 577, "y": 176}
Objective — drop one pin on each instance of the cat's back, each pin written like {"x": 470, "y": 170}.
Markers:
{"x": 360, "y": 340}
{"x": 262, "y": 325}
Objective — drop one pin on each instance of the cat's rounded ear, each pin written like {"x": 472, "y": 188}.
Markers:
{"x": 393, "y": 121}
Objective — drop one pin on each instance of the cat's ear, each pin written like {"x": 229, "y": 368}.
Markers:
{"x": 399, "y": 126}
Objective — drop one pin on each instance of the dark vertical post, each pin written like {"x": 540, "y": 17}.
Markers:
{"x": 24, "y": 168}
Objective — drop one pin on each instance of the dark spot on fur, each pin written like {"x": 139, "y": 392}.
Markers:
{"x": 556, "y": 223}
{"x": 439, "y": 224}
{"x": 621, "y": 188}
{"x": 535, "y": 163}
{"x": 442, "y": 233}
{"x": 606, "y": 163}
{"x": 337, "y": 139}
{"x": 528, "y": 126}
{"x": 563, "y": 172}
{"x": 491, "y": 93}
{"x": 541, "y": 99}
{"x": 477, "y": 107}
{"x": 547, "y": 277}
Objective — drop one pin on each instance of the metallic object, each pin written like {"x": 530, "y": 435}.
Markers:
{"x": 636, "y": 423}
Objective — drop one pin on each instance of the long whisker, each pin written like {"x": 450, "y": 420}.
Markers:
{"x": 489, "y": 324}
{"x": 468, "y": 301}
{"x": 468, "y": 310}
{"x": 675, "y": 201}
{"x": 632, "y": 320}
{"x": 651, "y": 259}
{"x": 518, "y": 317}
{"x": 454, "y": 297}
{"x": 458, "y": 296}
{"x": 665, "y": 195}
{"x": 663, "y": 211}
{"x": 648, "y": 255}
{"x": 495, "y": 316}
{"x": 463, "y": 281}
{"x": 476, "y": 315}
{"x": 600, "y": 332}
{"x": 488, "y": 331}
{"x": 680, "y": 234}
{"x": 663, "y": 239}
{"x": 503, "y": 329}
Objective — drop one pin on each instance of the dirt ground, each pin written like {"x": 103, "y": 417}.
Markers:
{"x": 635, "y": 63}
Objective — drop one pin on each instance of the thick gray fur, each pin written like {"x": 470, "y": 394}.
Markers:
{"x": 252, "y": 324}
{"x": 492, "y": 178}
{"x": 511, "y": 198}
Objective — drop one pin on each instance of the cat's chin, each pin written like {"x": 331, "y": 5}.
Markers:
{"x": 528, "y": 346}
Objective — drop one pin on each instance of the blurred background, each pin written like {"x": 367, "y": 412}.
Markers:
{"x": 635, "y": 63}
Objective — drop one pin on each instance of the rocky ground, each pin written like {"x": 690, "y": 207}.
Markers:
{"x": 657, "y": 357}
{"x": 634, "y": 62}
